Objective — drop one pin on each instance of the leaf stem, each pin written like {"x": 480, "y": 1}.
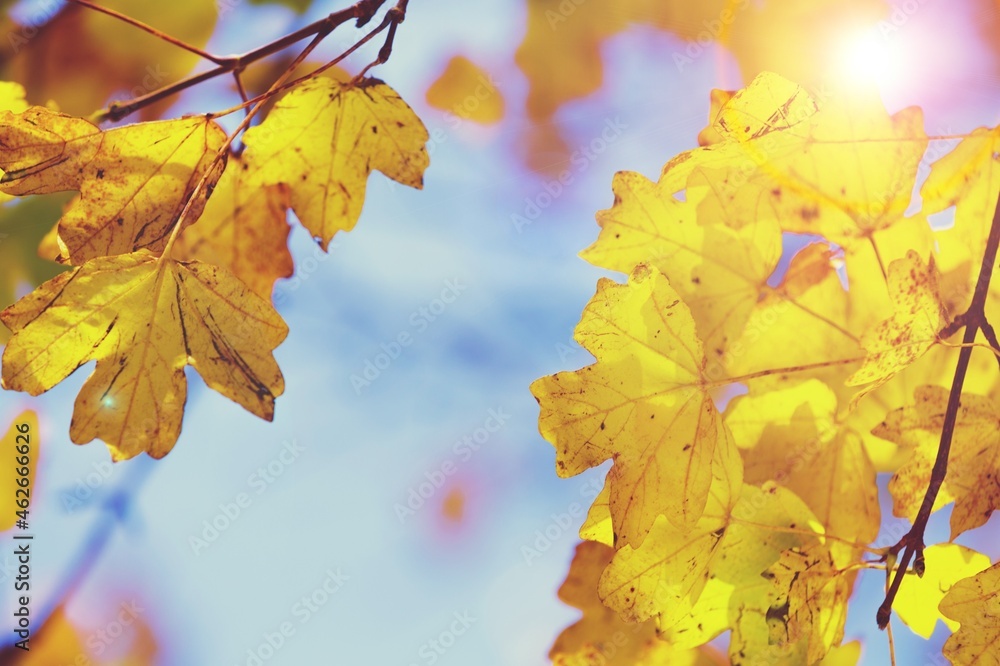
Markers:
{"x": 912, "y": 544}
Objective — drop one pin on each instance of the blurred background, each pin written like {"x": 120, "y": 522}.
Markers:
{"x": 402, "y": 508}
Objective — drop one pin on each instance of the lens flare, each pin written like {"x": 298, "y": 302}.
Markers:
{"x": 867, "y": 58}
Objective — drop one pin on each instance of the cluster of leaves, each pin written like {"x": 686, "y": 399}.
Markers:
{"x": 175, "y": 239}
{"x": 748, "y": 400}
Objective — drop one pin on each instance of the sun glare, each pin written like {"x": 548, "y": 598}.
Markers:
{"x": 867, "y": 58}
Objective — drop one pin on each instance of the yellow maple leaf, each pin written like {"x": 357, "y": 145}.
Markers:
{"x": 600, "y": 637}
{"x": 975, "y": 603}
{"x": 11, "y": 99}
{"x": 780, "y": 155}
{"x": 324, "y": 138}
{"x": 243, "y": 228}
{"x": 467, "y": 91}
{"x": 23, "y": 432}
{"x": 919, "y": 317}
{"x": 810, "y": 605}
{"x": 597, "y": 525}
{"x": 143, "y": 320}
{"x": 718, "y": 271}
{"x": 645, "y": 403}
{"x": 918, "y": 597}
{"x": 791, "y": 436}
{"x": 973, "y": 463}
{"x": 665, "y": 574}
{"x": 770, "y": 103}
{"x": 843, "y": 655}
{"x": 968, "y": 178}
{"x": 133, "y": 180}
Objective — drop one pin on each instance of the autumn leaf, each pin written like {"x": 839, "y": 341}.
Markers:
{"x": 324, "y": 138}
{"x": 143, "y": 320}
{"x": 600, "y": 637}
{"x": 645, "y": 404}
{"x": 11, "y": 99}
{"x": 809, "y": 297}
{"x": 919, "y": 596}
{"x": 17, "y": 436}
{"x": 664, "y": 576}
{"x": 792, "y": 167}
{"x": 811, "y": 603}
{"x": 974, "y": 603}
{"x": 718, "y": 271}
{"x": 598, "y": 526}
{"x": 770, "y": 103}
{"x": 244, "y": 229}
{"x": 973, "y": 463}
{"x": 896, "y": 342}
{"x": 702, "y": 583}
{"x": 967, "y": 178}
{"x": 791, "y": 436}
{"x": 468, "y": 92}
{"x": 133, "y": 180}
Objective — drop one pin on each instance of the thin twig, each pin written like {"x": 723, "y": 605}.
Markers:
{"x": 274, "y": 90}
{"x": 150, "y": 29}
{"x": 393, "y": 18}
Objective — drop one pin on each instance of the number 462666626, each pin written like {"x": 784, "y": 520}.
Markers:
{"x": 22, "y": 445}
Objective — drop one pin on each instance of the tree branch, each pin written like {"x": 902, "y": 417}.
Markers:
{"x": 363, "y": 11}
{"x": 912, "y": 545}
